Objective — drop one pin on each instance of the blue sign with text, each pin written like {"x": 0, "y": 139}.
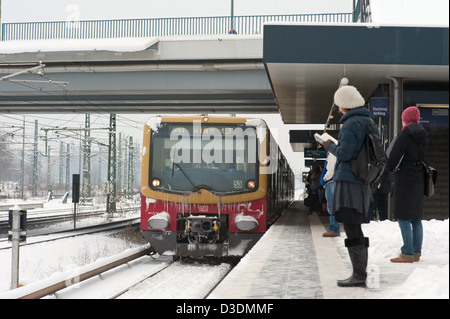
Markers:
{"x": 379, "y": 107}
{"x": 434, "y": 117}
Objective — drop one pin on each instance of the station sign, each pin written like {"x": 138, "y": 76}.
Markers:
{"x": 434, "y": 115}
{"x": 379, "y": 107}
{"x": 315, "y": 153}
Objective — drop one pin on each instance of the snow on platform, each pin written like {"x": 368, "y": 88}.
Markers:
{"x": 294, "y": 261}
{"x": 282, "y": 264}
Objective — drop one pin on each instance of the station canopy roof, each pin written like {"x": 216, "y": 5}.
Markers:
{"x": 305, "y": 62}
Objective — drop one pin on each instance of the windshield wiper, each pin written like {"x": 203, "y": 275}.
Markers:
{"x": 195, "y": 187}
{"x": 184, "y": 173}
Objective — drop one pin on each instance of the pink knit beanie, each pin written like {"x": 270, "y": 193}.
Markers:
{"x": 411, "y": 115}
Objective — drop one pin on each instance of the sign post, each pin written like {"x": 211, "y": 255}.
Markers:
{"x": 75, "y": 196}
{"x": 17, "y": 233}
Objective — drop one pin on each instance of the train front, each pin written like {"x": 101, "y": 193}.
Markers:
{"x": 203, "y": 192}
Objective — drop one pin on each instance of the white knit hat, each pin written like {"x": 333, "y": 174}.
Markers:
{"x": 348, "y": 97}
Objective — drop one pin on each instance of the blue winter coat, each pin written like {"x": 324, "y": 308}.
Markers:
{"x": 350, "y": 140}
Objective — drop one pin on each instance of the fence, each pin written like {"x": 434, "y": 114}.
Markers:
{"x": 101, "y": 29}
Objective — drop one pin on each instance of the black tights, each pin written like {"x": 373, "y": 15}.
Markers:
{"x": 354, "y": 233}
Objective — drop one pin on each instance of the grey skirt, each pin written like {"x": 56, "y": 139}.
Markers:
{"x": 351, "y": 202}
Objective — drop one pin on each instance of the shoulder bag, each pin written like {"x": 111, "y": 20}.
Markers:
{"x": 430, "y": 178}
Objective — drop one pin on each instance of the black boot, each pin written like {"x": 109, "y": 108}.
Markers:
{"x": 358, "y": 256}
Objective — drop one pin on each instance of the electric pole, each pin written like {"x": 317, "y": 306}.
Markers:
{"x": 130, "y": 169}
{"x": 111, "y": 197}
{"x": 22, "y": 163}
{"x": 86, "y": 185}
{"x": 67, "y": 168}
{"x": 35, "y": 160}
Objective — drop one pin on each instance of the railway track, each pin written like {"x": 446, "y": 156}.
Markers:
{"x": 54, "y": 284}
{"x": 180, "y": 281}
{"x": 40, "y": 217}
{"x": 45, "y": 237}
{"x": 134, "y": 274}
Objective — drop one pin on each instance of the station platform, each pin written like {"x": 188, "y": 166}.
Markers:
{"x": 293, "y": 261}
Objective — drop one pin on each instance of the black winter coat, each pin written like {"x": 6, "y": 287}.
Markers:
{"x": 408, "y": 191}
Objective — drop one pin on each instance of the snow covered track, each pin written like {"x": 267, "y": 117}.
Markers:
{"x": 131, "y": 275}
{"x": 53, "y": 235}
{"x": 180, "y": 281}
{"x": 53, "y": 284}
{"x": 37, "y": 218}
{"x": 149, "y": 278}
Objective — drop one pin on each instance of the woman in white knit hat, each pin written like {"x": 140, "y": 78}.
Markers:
{"x": 352, "y": 196}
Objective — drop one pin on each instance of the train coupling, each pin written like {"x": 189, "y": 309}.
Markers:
{"x": 202, "y": 229}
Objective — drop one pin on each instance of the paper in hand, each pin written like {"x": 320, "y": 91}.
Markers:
{"x": 324, "y": 137}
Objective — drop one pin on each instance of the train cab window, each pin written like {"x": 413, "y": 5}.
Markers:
{"x": 218, "y": 157}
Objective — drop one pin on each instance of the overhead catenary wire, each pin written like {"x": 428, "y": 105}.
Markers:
{"x": 38, "y": 70}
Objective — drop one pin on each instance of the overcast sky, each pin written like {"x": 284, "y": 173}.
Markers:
{"x": 51, "y": 10}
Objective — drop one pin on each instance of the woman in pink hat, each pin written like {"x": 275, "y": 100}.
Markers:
{"x": 405, "y": 159}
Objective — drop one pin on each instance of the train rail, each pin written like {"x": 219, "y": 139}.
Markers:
{"x": 41, "y": 238}
{"x": 36, "y": 218}
{"x": 50, "y": 286}
{"x": 146, "y": 277}
{"x": 137, "y": 268}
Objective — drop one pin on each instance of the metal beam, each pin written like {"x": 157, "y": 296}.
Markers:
{"x": 111, "y": 197}
{"x": 86, "y": 183}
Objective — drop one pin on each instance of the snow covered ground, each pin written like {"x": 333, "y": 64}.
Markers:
{"x": 429, "y": 278}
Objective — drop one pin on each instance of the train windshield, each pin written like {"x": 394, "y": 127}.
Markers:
{"x": 219, "y": 157}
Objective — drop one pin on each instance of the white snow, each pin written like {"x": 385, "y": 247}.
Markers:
{"x": 89, "y": 262}
{"x": 148, "y": 201}
{"x": 185, "y": 282}
{"x": 428, "y": 278}
{"x": 154, "y": 123}
{"x": 261, "y": 128}
{"x": 41, "y": 261}
{"x": 76, "y": 45}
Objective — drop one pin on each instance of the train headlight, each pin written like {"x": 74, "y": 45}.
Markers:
{"x": 156, "y": 182}
{"x": 251, "y": 184}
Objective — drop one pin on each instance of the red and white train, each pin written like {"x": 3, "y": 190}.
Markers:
{"x": 210, "y": 186}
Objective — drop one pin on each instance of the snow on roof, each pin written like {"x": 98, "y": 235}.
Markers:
{"x": 71, "y": 45}
{"x": 112, "y": 44}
